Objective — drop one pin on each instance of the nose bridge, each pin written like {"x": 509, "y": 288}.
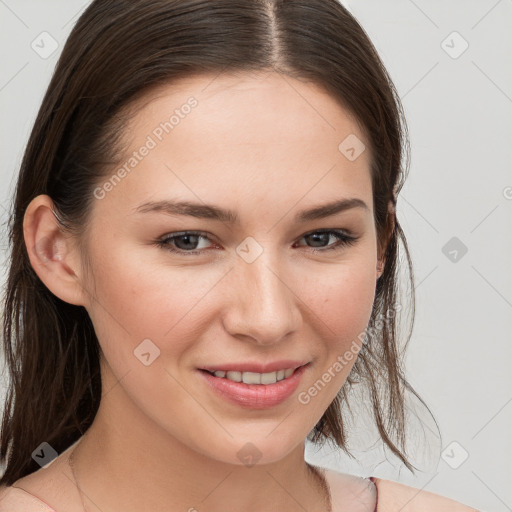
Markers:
{"x": 265, "y": 308}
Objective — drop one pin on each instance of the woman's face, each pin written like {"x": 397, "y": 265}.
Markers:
{"x": 244, "y": 291}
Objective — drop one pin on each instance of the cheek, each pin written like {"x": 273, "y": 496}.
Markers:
{"x": 135, "y": 301}
{"x": 344, "y": 300}
{"x": 342, "y": 307}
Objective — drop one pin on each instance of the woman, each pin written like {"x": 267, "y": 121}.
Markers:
{"x": 204, "y": 264}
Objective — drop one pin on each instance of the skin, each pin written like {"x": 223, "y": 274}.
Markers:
{"x": 266, "y": 147}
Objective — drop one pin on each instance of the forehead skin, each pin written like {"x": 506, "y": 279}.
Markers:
{"x": 250, "y": 140}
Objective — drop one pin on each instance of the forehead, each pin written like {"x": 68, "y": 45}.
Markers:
{"x": 229, "y": 137}
{"x": 263, "y": 103}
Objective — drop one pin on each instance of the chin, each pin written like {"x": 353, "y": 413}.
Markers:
{"x": 249, "y": 450}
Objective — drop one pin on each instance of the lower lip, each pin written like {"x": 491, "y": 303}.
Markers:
{"x": 255, "y": 396}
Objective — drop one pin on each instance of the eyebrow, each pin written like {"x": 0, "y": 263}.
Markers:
{"x": 212, "y": 212}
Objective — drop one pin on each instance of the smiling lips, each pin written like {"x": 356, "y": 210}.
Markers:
{"x": 255, "y": 386}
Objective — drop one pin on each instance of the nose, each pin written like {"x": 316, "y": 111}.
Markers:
{"x": 263, "y": 306}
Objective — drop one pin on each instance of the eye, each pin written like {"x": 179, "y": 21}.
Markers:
{"x": 189, "y": 242}
{"x": 322, "y": 238}
{"x": 182, "y": 242}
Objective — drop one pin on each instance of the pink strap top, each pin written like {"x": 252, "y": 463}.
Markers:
{"x": 392, "y": 496}
{"x": 16, "y": 499}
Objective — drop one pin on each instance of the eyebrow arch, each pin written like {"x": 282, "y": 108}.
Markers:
{"x": 212, "y": 212}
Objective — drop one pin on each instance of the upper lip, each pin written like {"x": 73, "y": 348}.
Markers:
{"x": 256, "y": 367}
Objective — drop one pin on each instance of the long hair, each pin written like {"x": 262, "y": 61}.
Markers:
{"x": 116, "y": 52}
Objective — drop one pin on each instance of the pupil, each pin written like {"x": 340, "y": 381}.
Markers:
{"x": 321, "y": 236}
{"x": 187, "y": 237}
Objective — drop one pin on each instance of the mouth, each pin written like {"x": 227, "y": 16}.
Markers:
{"x": 254, "y": 390}
{"x": 265, "y": 379}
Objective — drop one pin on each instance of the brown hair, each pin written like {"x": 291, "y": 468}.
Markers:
{"x": 117, "y": 50}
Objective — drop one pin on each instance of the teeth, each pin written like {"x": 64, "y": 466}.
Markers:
{"x": 252, "y": 378}
{"x": 268, "y": 378}
{"x": 255, "y": 378}
{"x": 236, "y": 376}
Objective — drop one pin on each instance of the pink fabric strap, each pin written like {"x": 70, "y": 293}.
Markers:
{"x": 394, "y": 496}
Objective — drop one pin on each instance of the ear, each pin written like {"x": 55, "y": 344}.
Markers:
{"x": 390, "y": 221}
{"x": 51, "y": 251}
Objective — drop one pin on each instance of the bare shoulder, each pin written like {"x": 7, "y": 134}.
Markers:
{"x": 350, "y": 492}
{"x": 14, "y": 499}
{"x": 46, "y": 490}
{"x": 393, "y": 496}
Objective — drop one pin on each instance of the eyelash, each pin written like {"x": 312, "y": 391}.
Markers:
{"x": 343, "y": 239}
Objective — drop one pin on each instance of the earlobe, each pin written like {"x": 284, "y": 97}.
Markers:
{"x": 380, "y": 268}
{"x": 51, "y": 252}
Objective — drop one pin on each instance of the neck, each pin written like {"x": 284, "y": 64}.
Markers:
{"x": 129, "y": 463}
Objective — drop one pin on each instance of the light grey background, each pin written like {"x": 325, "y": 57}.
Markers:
{"x": 459, "y": 110}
